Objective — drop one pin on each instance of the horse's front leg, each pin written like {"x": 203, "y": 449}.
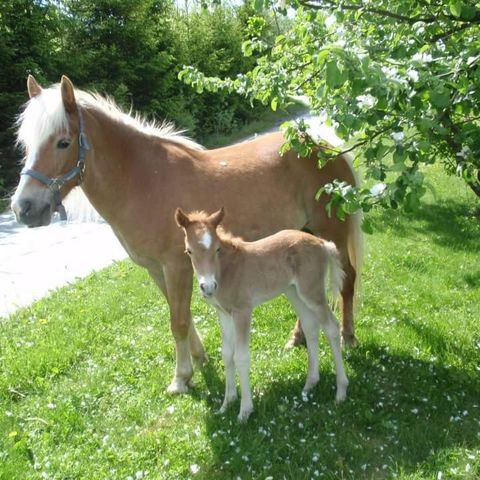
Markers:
{"x": 178, "y": 284}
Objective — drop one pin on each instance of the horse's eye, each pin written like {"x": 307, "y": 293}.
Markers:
{"x": 188, "y": 251}
{"x": 219, "y": 250}
{"x": 63, "y": 143}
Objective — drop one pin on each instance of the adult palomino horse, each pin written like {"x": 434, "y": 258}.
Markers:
{"x": 235, "y": 276}
{"x": 135, "y": 174}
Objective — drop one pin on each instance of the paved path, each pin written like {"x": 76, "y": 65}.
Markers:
{"x": 36, "y": 260}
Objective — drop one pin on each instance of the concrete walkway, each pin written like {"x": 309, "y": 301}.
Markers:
{"x": 34, "y": 261}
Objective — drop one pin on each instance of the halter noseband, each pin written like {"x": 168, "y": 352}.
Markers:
{"x": 55, "y": 184}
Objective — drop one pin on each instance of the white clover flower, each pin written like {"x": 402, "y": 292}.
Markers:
{"x": 194, "y": 469}
{"x": 366, "y": 101}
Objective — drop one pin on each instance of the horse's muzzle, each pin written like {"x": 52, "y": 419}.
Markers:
{"x": 32, "y": 214}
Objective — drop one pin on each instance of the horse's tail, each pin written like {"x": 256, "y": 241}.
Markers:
{"x": 337, "y": 274}
{"x": 355, "y": 238}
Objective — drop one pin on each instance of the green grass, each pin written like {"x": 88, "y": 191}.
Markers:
{"x": 83, "y": 374}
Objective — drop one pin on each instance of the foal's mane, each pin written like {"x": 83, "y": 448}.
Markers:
{"x": 45, "y": 114}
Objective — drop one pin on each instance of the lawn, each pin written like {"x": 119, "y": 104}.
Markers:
{"x": 83, "y": 374}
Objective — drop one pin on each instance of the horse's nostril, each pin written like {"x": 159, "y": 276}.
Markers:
{"x": 202, "y": 287}
{"x": 25, "y": 207}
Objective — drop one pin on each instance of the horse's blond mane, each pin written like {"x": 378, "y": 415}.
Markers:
{"x": 45, "y": 114}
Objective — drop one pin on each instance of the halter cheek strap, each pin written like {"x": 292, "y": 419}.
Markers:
{"x": 55, "y": 184}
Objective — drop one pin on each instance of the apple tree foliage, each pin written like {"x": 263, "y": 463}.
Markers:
{"x": 399, "y": 80}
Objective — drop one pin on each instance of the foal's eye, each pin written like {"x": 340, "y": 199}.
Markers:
{"x": 188, "y": 251}
{"x": 63, "y": 143}
{"x": 218, "y": 250}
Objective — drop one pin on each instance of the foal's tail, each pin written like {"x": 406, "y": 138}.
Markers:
{"x": 337, "y": 274}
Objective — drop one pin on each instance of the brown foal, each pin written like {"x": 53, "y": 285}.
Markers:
{"x": 235, "y": 276}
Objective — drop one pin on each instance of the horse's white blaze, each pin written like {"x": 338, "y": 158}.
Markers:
{"x": 206, "y": 240}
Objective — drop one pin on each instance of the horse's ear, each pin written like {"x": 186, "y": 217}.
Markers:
{"x": 182, "y": 220}
{"x": 68, "y": 95}
{"x": 33, "y": 87}
{"x": 216, "y": 218}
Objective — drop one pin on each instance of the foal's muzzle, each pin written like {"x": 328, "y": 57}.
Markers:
{"x": 208, "y": 287}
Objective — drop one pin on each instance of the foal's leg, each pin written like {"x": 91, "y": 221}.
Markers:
{"x": 311, "y": 327}
{"x": 178, "y": 282}
{"x": 332, "y": 331}
{"x": 241, "y": 321}
{"x": 228, "y": 349}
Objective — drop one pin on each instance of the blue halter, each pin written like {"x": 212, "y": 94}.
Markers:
{"x": 55, "y": 184}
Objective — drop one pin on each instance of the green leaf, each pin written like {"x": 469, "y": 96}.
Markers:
{"x": 333, "y": 74}
{"x": 367, "y": 226}
{"x": 274, "y": 103}
{"x": 456, "y": 7}
{"x": 440, "y": 97}
{"x": 247, "y": 48}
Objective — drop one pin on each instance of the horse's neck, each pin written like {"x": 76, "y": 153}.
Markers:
{"x": 116, "y": 152}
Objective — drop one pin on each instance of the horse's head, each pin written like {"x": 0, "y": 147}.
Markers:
{"x": 203, "y": 246}
{"x": 51, "y": 131}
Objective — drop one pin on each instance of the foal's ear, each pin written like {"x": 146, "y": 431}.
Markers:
{"x": 182, "y": 220}
{"x": 68, "y": 95}
{"x": 216, "y": 218}
{"x": 33, "y": 87}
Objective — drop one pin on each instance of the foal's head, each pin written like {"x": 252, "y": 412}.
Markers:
{"x": 203, "y": 246}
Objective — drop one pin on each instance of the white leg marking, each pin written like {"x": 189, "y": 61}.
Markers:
{"x": 228, "y": 346}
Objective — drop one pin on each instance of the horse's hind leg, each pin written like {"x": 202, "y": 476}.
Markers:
{"x": 348, "y": 293}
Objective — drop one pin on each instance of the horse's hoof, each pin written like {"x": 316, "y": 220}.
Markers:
{"x": 178, "y": 386}
{"x": 349, "y": 340}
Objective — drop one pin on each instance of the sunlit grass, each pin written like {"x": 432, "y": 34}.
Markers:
{"x": 83, "y": 374}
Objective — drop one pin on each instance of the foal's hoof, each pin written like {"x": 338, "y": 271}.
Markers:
{"x": 178, "y": 386}
{"x": 349, "y": 340}
{"x": 244, "y": 415}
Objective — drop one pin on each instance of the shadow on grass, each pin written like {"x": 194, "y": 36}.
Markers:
{"x": 401, "y": 414}
{"x": 451, "y": 222}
